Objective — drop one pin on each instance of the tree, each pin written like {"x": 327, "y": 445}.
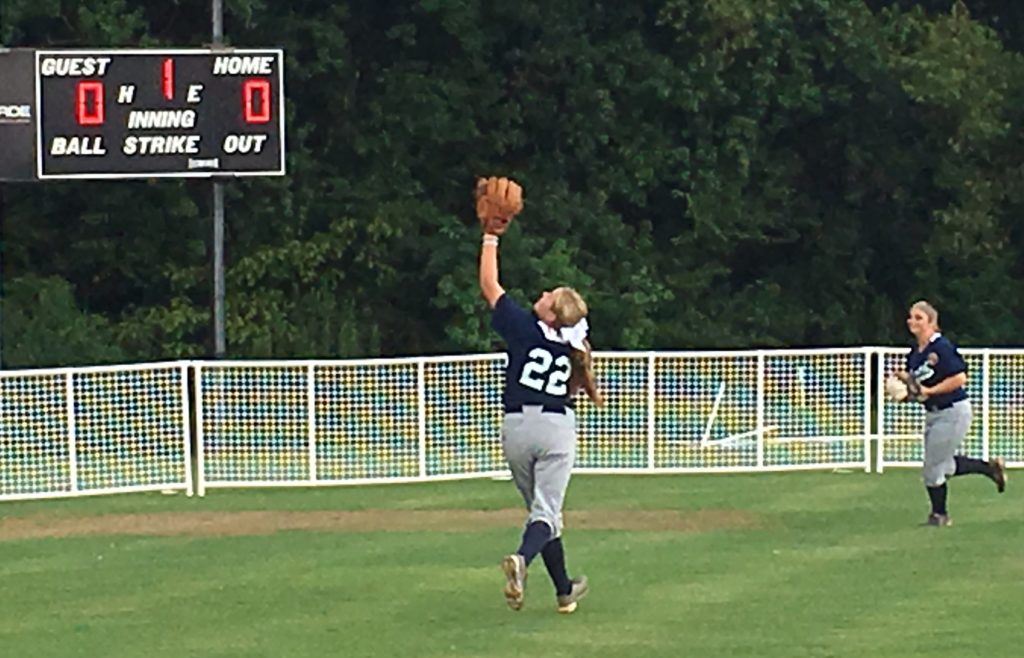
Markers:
{"x": 708, "y": 174}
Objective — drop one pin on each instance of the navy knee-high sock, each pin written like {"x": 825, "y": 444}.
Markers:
{"x": 938, "y": 497}
{"x": 554, "y": 560}
{"x": 967, "y": 465}
{"x": 534, "y": 537}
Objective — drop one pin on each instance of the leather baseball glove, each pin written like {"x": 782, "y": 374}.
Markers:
{"x": 895, "y": 389}
{"x": 902, "y": 387}
{"x": 498, "y": 201}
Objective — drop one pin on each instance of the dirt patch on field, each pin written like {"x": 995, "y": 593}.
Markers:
{"x": 219, "y": 524}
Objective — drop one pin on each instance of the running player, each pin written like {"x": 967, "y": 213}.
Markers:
{"x": 548, "y": 362}
{"x": 936, "y": 365}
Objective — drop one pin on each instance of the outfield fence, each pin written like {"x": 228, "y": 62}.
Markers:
{"x": 79, "y": 431}
{"x": 97, "y": 430}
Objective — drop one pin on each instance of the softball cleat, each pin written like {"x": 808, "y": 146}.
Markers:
{"x": 999, "y": 474}
{"x": 567, "y": 604}
{"x": 514, "y": 567}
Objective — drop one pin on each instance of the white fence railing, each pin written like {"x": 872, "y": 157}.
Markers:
{"x": 304, "y": 423}
{"x": 83, "y": 431}
{"x": 78, "y": 431}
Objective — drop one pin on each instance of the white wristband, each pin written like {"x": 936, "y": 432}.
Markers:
{"x": 490, "y": 240}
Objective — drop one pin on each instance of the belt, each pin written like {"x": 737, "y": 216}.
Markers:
{"x": 545, "y": 408}
{"x": 940, "y": 407}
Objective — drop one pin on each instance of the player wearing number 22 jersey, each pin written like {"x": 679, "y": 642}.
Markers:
{"x": 539, "y": 360}
{"x": 548, "y": 363}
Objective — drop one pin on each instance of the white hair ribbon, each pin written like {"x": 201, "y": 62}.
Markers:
{"x": 574, "y": 335}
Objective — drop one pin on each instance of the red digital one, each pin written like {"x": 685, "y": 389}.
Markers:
{"x": 168, "y": 78}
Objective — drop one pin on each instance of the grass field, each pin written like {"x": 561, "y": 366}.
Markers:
{"x": 802, "y": 564}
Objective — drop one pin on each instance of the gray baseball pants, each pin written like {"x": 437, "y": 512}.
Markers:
{"x": 944, "y": 432}
{"x": 540, "y": 449}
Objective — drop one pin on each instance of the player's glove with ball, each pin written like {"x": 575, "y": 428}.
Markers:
{"x": 498, "y": 200}
{"x": 902, "y": 387}
{"x": 895, "y": 389}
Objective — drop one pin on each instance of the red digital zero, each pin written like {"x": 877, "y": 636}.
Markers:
{"x": 89, "y": 103}
{"x": 255, "y": 97}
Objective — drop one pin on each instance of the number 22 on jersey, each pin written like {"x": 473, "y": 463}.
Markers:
{"x": 543, "y": 372}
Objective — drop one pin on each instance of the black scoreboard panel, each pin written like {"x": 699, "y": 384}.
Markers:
{"x": 152, "y": 113}
{"x": 17, "y": 116}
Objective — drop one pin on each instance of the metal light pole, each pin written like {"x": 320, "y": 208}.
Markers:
{"x": 219, "y": 342}
{"x": 3, "y": 247}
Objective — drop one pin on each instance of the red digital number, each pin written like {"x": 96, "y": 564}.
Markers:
{"x": 256, "y": 100}
{"x": 167, "y": 79}
{"x": 89, "y": 103}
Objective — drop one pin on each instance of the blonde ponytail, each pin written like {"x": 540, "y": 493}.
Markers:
{"x": 582, "y": 376}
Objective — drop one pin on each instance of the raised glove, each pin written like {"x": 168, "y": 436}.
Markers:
{"x": 498, "y": 200}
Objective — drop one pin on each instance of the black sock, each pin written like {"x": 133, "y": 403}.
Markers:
{"x": 554, "y": 560}
{"x": 966, "y": 465}
{"x": 536, "y": 535}
{"x": 938, "y": 497}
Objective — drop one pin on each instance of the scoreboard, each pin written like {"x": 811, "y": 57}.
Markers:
{"x": 157, "y": 113}
{"x": 147, "y": 113}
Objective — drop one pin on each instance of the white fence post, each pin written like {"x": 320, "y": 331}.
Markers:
{"x": 197, "y": 373}
{"x": 186, "y": 429}
{"x": 69, "y": 399}
{"x": 986, "y": 384}
{"x": 880, "y": 412}
{"x": 650, "y": 409}
{"x": 311, "y": 420}
{"x": 868, "y": 430}
{"x": 421, "y": 413}
{"x": 759, "y": 426}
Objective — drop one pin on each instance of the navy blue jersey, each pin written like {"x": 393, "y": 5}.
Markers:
{"x": 937, "y": 361}
{"x": 538, "y": 367}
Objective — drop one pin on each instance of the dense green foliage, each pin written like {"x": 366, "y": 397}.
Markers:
{"x": 724, "y": 173}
